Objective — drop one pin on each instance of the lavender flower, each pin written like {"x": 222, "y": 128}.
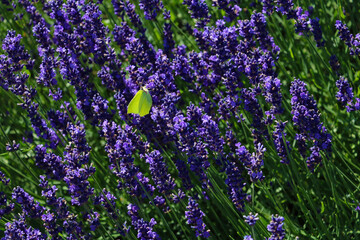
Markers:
{"x": 12, "y": 147}
{"x": 18, "y": 229}
{"x": 251, "y": 218}
{"x": 268, "y": 6}
{"x": 5, "y": 208}
{"x": 344, "y": 32}
{"x": 150, "y": 8}
{"x": 29, "y": 206}
{"x": 316, "y": 31}
{"x": 159, "y": 171}
{"x": 345, "y": 94}
{"x": 334, "y": 63}
{"x": 93, "y": 219}
{"x": 235, "y": 184}
{"x": 252, "y": 162}
{"x": 273, "y": 93}
{"x": 199, "y": 10}
{"x": 279, "y": 137}
{"x": 307, "y": 118}
{"x": 107, "y": 200}
{"x": 194, "y": 217}
{"x": 248, "y": 237}
{"x": 276, "y": 228}
{"x": 145, "y": 229}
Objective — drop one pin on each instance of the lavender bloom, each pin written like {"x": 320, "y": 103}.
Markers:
{"x": 258, "y": 21}
{"x": 307, "y": 118}
{"x": 194, "y": 217}
{"x": 58, "y": 219}
{"x": 302, "y": 21}
{"x": 145, "y": 229}
{"x": 235, "y": 184}
{"x": 248, "y": 237}
{"x": 276, "y": 228}
{"x": 285, "y": 7}
{"x": 184, "y": 174}
{"x": 199, "y": 10}
{"x": 159, "y": 171}
{"x": 12, "y": 63}
{"x": 93, "y": 219}
{"x": 40, "y": 127}
{"x": 251, "y": 104}
{"x": 169, "y": 43}
{"x": 252, "y": 162}
{"x": 232, "y": 12}
{"x": 107, "y": 200}
{"x": 345, "y": 94}
{"x": 316, "y": 31}
{"x": 251, "y": 218}
{"x": 268, "y": 6}
{"x": 29, "y": 206}
{"x": 12, "y": 147}
{"x": 18, "y": 229}
{"x": 56, "y": 95}
{"x": 150, "y": 8}
{"x": 279, "y": 137}
{"x": 273, "y": 93}
{"x": 4, "y": 207}
{"x": 15, "y": 51}
{"x": 119, "y": 8}
{"x": 121, "y": 142}
{"x": 72, "y": 9}
{"x": 334, "y": 63}
{"x": 51, "y": 163}
{"x": 355, "y": 42}
{"x": 344, "y": 32}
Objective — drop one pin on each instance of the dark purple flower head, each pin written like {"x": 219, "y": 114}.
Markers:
{"x": 306, "y": 118}
{"x": 268, "y": 6}
{"x": 316, "y": 31}
{"x": 302, "y": 21}
{"x": 11, "y": 45}
{"x": 285, "y": 7}
{"x": 159, "y": 172}
{"x": 145, "y": 229}
{"x": 199, "y": 10}
{"x": 276, "y": 228}
{"x": 334, "y": 63}
{"x": 345, "y": 94}
{"x": 344, "y": 32}
{"x": 355, "y": 42}
{"x": 12, "y": 147}
{"x": 151, "y": 8}
{"x": 107, "y": 200}
{"x": 273, "y": 94}
{"x": 29, "y": 206}
{"x": 18, "y": 229}
{"x": 235, "y": 184}
{"x": 93, "y": 219}
{"x": 281, "y": 144}
{"x": 5, "y": 207}
{"x": 194, "y": 217}
{"x": 251, "y": 218}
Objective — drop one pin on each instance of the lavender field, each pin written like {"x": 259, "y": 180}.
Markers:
{"x": 179, "y": 119}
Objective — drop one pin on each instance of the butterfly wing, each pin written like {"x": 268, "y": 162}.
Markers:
{"x": 134, "y": 105}
{"x": 145, "y": 103}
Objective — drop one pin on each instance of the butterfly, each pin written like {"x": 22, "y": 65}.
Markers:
{"x": 141, "y": 103}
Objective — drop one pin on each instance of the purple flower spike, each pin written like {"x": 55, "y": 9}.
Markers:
{"x": 276, "y": 228}
{"x": 194, "y": 218}
{"x": 251, "y": 218}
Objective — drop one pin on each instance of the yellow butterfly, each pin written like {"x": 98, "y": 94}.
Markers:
{"x": 141, "y": 103}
